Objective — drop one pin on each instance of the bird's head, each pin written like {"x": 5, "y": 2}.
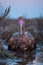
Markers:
{"x": 21, "y": 21}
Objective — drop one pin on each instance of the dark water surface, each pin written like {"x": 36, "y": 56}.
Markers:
{"x": 27, "y": 58}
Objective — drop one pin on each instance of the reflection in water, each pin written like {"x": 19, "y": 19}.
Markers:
{"x": 27, "y": 58}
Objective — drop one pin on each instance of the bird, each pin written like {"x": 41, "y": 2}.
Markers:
{"x": 22, "y": 40}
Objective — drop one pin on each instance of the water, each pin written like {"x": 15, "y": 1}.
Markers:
{"x": 27, "y": 58}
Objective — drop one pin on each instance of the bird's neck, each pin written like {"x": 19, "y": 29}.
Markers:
{"x": 21, "y": 30}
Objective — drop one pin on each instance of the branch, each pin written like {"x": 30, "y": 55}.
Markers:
{"x": 7, "y": 10}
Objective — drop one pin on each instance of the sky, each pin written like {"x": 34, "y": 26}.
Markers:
{"x": 26, "y": 8}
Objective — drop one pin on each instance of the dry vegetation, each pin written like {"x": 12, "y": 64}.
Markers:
{"x": 34, "y": 26}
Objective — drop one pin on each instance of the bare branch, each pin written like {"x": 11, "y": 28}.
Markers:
{"x": 7, "y": 10}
